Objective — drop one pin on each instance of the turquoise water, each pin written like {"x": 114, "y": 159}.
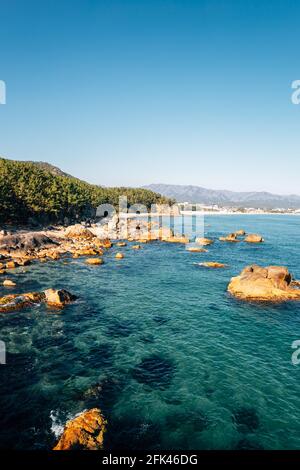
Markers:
{"x": 156, "y": 342}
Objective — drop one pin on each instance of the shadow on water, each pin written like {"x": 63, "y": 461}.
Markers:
{"x": 188, "y": 420}
{"x": 136, "y": 433}
{"x": 120, "y": 328}
{"x": 246, "y": 419}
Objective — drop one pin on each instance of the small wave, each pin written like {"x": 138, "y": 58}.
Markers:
{"x": 58, "y": 423}
{"x": 57, "y": 427}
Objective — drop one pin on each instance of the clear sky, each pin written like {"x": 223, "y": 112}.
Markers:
{"x": 132, "y": 92}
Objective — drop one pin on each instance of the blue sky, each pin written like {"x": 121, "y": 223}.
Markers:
{"x": 137, "y": 92}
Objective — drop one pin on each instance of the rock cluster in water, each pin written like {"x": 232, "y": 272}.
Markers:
{"x": 52, "y": 297}
{"x": 272, "y": 283}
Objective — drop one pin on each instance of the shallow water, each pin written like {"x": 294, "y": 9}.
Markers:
{"x": 157, "y": 343}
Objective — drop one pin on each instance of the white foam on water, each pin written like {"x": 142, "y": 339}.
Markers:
{"x": 57, "y": 426}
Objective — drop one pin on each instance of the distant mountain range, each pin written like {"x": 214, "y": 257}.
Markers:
{"x": 224, "y": 198}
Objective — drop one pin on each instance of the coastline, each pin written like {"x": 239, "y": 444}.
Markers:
{"x": 201, "y": 213}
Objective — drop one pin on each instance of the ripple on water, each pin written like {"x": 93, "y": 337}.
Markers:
{"x": 155, "y": 371}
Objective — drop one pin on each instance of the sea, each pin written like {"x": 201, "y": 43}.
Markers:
{"x": 157, "y": 343}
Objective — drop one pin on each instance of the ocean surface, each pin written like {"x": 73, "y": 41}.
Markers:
{"x": 156, "y": 342}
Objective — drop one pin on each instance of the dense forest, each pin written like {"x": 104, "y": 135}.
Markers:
{"x": 38, "y": 193}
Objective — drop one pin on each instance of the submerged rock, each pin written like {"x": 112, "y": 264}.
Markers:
{"x": 254, "y": 238}
{"x": 246, "y": 417}
{"x": 136, "y": 247}
{"x": 121, "y": 244}
{"x": 84, "y": 432}
{"x": 273, "y": 283}
{"x": 119, "y": 255}
{"x": 155, "y": 371}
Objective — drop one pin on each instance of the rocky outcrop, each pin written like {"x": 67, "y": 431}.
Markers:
{"x": 204, "y": 241}
{"x": 273, "y": 283}
{"x": 52, "y": 297}
{"x": 254, "y": 238}
{"x": 58, "y": 298}
{"x": 196, "y": 249}
{"x": 9, "y": 303}
{"x": 178, "y": 239}
{"x": 25, "y": 241}
{"x": 9, "y": 283}
{"x": 94, "y": 261}
{"x": 79, "y": 232}
{"x": 232, "y": 237}
{"x": 212, "y": 264}
{"x": 11, "y": 265}
{"x": 240, "y": 233}
{"x": 84, "y": 432}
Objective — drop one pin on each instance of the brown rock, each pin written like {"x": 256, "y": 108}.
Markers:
{"x": 9, "y": 283}
{"x": 196, "y": 249}
{"x": 58, "y": 298}
{"x": 85, "y": 432}
{"x": 94, "y": 261}
{"x": 86, "y": 252}
{"x": 177, "y": 239}
{"x": 24, "y": 262}
{"x": 136, "y": 247}
{"x": 273, "y": 283}
{"x": 79, "y": 232}
{"x": 119, "y": 255}
{"x": 54, "y": 256}
{"x": 213, "y": 264}
{"x": 229, "y": 238}
{"x": 204, "y": 241}
{"x": 9, "y": 303}
{"x": 11, "y": 265}
{"x": 121, "y": 244}
{"x": 254, "y": 238}
{"x": 162, "y": 233}
{"x": 240, "y": 233}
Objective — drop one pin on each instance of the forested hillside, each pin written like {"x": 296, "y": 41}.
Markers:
{"x": 33, "y": 192}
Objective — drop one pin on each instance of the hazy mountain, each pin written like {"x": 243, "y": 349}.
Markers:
{"x": 198, "y": 194}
